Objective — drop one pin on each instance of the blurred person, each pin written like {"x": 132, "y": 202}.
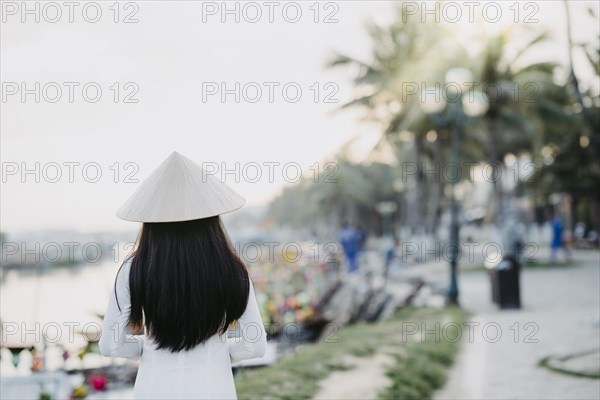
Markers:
{"x": 579, "y": 233}
{"x": 514, "y": 235}
{"x": 390, "y": 254}
{"x": 350, "y": 241}
{"x": 183, "y": 286}
{"x": 592, "y": 238}
{"x": 558, "y": 241}
{"x": 581, "y": 241}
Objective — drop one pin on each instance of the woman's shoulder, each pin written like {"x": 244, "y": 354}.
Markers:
{"x": 126, "y": 264}
{"x": 123, "y": 272}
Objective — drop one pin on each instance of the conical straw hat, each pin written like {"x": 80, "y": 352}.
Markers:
{"x": 179, "y": 190}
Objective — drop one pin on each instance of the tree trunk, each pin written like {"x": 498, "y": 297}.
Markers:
{"x": 438, "y": 190}
{"x": 588, "y": 118}
{"x": 421, "y": 204}
{"x": 496, "y": 170}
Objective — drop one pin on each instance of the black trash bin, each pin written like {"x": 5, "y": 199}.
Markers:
{"x": 506, "y": 291}
{"x": 493, "y": 272}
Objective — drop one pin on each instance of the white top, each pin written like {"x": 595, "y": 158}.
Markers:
{"x": 203, "y": 372}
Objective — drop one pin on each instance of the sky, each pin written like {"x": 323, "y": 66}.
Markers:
{"x": 116, "y": 98}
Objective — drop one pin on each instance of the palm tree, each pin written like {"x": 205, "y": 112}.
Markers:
{"x": 519, "y": 94}
{"x": 387, "y": 86}
{"x": 572, "y": 148}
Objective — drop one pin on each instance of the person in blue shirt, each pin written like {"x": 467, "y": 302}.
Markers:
{"x": 557, "y": 239}
{"x": 350, "y": 241}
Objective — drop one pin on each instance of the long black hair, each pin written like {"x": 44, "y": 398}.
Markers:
{"x": 186, "y": 282}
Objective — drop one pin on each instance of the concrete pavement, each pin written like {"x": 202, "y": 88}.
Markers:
{"x": 498, "y": 359}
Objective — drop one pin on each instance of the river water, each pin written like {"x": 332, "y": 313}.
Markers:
{"x": 54, "y": 302}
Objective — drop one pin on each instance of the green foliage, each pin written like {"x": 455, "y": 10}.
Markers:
{"x": 352, "y": 192}
{"x": 529, "y": 110}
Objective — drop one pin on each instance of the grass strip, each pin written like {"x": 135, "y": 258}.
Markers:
{"x": 297, "y": 376}
{"x": 546, "y": 362}
{"x": 424, "y": 367}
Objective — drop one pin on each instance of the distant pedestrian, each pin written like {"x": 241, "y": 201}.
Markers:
{"x": 390, "y": 255}
{"x": 350, "y": 241}
{"x": 558, "y": 241}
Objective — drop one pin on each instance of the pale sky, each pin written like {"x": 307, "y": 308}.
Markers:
{"x": 169, "y": 55}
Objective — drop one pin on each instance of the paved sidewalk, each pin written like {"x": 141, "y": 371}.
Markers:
{"x": 560, "y": 315}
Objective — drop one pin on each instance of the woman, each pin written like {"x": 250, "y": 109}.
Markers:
{"x": 184, "y": 286}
